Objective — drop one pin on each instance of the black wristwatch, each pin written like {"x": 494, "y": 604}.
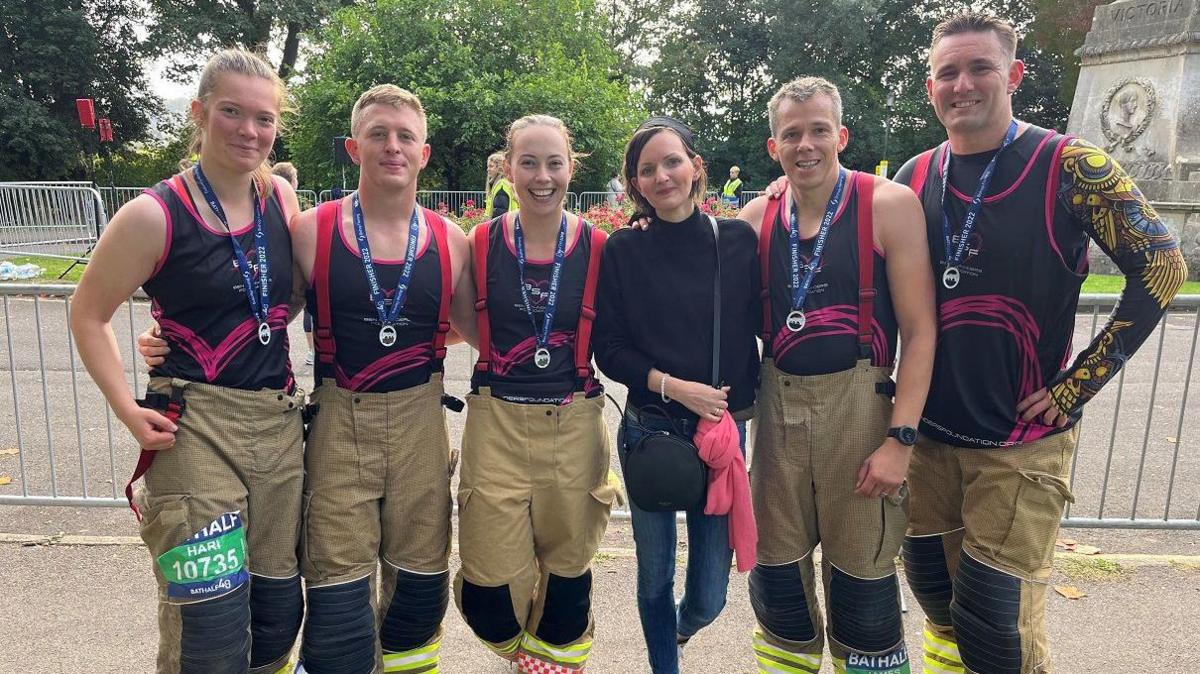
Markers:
{"x": 907, "y": 435}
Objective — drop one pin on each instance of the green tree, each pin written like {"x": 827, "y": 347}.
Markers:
{"x": 477, "y": 65}
{"x": 52, "y": 53}
{"x": 193, "y": 31}
{"x": 717, "y": 70}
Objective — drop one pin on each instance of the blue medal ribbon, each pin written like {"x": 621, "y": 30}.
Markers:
{"x": 387, "y": 315}
{"x": 795, "y": 319}
{"x": 950, "y": 277}
{"x": 260, "y": 303}
{"x": 542, "y": 353}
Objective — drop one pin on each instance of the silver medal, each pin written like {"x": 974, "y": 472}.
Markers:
{"x": 541, "y": 357}
{"x": 796, "y": 321}
{"x": 387, "y": 335}
{"x": 950, "y": 278}
{"x": 264, "y": 333}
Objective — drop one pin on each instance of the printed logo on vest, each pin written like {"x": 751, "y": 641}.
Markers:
{"x": 210, "y": 564}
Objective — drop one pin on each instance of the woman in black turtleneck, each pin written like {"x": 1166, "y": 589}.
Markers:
{"x": 654, "y": 333}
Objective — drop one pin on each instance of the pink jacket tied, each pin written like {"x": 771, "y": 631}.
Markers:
{"x": 729, "y": 485}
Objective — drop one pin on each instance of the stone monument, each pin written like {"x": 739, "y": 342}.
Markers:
{"x": 1138, "y": 97}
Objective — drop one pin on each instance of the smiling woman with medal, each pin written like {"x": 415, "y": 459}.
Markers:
{"x": 222, "y": 530}
{"x": 535, "y": 495}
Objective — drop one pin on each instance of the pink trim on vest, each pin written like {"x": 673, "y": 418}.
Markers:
{"x": 180, "y": 191}
{"x": 170, "y": 228}
{"x": 354, "y": 249}
{"x": 1017, "y": 183}
{"x": 531, "y": 260}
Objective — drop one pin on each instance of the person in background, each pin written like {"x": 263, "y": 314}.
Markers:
{"x": 501, "y": 197}
{"x": 287, "y": 171}
{"x": 731, "y": 193}
{"x": 616, "y": 189}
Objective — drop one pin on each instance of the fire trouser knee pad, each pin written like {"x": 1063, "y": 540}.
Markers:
{"x": 864, "y": 614}
{"x": 415, "y": 613}
{"x": 489, "y": 612}
{"x": 339, "y": 637}
{"x": 929, "y": 576}
{"x": 566, "y": 611}
{"x": 777, "y": 596}
{"x": 985, "y": 613}
{"x": 215, "y": 634}
{"x": 276, "y": 612}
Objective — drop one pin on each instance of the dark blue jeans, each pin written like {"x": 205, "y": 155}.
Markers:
{"x": 709, "y": 559}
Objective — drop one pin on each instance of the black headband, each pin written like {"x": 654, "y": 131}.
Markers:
{"x": 664, "y": 122}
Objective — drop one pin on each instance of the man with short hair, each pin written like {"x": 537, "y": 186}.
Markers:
{"x": 845, "y": 263}
{"x": 377, "y": 494}
{"x": 732, "y": 191}
{"x": 1010, "y": 209}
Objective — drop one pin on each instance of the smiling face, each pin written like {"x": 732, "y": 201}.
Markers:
{"x": 540, "y": 168}
{"x": 807, "y": 141}
{"x": 389, "y": 145}
{"x": 972, "y": 78}
{"x": 666, "y": 176}
{"x": 238, "y": 119}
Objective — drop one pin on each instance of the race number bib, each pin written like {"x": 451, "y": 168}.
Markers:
{"x": 210, "y": 564}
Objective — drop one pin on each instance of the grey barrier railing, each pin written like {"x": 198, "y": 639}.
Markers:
{"x": 60, "y": 220}
{"x": 116, "y": 197}
{"x": 1135, "y": 465}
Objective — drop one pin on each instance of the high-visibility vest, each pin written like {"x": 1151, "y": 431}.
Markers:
{"x": 500, "y": 184}
{"x": 731, "y": 187}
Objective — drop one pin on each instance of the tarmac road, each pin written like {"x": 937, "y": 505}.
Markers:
{"x": 87, "y": 605}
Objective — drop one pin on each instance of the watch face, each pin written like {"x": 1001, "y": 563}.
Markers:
{"x": 907, "y": 435}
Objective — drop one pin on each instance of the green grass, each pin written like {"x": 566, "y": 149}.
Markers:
{"x": 53, "y": 266}
{"x": 1113, "y": 283}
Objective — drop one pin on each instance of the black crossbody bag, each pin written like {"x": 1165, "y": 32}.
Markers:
{"x": 664, "y": 471}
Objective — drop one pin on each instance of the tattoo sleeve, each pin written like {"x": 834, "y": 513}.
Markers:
{"x": 1110, "y": 208}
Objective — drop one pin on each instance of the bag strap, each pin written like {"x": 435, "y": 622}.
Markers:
{"x": 774, "y": 207}
{"x": 587, "y": 310}
{"x": 716, "y": 357}
{"x": 437, "y": 227}
{"x": 329, "y": 216}
{"x": 865, "y": 184}
{"x": 481, "y": 312}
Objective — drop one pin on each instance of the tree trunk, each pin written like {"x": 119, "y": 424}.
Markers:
{"x": 291, "y": 48}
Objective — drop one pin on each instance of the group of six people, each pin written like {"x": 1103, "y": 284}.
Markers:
{"x": 971, "y": 262}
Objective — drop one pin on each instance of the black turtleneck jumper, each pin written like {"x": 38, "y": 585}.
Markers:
{"x": 655, "y": 308}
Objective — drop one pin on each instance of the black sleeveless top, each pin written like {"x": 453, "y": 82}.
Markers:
{"x": 361, "y": 362}
{"x": 1005, "y": 331}
{"x": 197, "y": 297}
{"x": 829, "y": 341}
{"x": 513, "y": 375}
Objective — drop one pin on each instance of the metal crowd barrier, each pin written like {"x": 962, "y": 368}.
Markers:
{"x": 307, "y": 198}
{"x": 60, "y": 220}
{"x": 1136, "y": 463}
{"x": 589, "y": 199}
{"x": 116, "y": 197}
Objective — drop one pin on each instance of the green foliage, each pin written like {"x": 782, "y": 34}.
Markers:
{"x": 146, "y": 164}
{"x": 52, "y": 52}
{"x": 194, "y": 30}
{"x": 477, "y": 65}
{"x": 718, "y": 69}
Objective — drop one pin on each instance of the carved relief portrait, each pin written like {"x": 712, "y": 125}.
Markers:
{"x": 1129, "y": 108}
